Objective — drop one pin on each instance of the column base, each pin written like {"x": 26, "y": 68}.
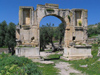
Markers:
{"x": 32, "y": 53}
{"x": 75, "y": 57}
{"x": 77, "y": 52}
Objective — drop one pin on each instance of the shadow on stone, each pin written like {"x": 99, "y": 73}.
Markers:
{"x": 51, "y": 59}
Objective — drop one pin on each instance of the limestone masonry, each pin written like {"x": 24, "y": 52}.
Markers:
{"x": 75, "y": 22}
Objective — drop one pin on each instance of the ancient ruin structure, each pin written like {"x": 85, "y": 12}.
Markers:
{"x": 75, "y": 21}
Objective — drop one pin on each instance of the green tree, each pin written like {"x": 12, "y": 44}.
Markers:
{"x": 46, "y": 35}
{"x": 92, "y": 31}
{"x": 43, "y": 37}
{"x": 98, "y": 28}
{"x": 61, "y": 29}
{"x": 56, "y": 34}
{"x": 3, "y": 31}
{"x": 10, "y": 37}
{"x": 50, "y": 35}
{"x": 59, "y": 33}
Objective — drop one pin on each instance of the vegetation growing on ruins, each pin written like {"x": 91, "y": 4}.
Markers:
{"x": 50, "y": 10}
{"x": 69, "y": 18}
{"x": 80, "y": 23}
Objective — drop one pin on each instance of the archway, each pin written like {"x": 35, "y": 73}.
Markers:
{"x": 75, "y": 21}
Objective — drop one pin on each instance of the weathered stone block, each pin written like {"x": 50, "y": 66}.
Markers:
{"x": 77, "y": 52}
{"x": 27, "y": 51}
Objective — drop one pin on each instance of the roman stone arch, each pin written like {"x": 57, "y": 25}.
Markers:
{"x": 75, "y": 21}
{"x": 56, "y": 15}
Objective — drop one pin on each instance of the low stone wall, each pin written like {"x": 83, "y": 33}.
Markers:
{"x": 5, "y": 50}
{"x": 77, "y": 52}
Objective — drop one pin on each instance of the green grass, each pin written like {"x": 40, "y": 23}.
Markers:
{"x": 48, "y": 50}
{"x": 95, "y": 49}
{"x": 54, "y": 56}
{"x": 48, "y": 69}
{"x": 93, "y": 65}
{"x": 55, "y": 41}
{"x": 74, "y": 74}
{"x": 26, "y": 46}
{"x": 4, "y": 47}
{"x": 93, "y": 35}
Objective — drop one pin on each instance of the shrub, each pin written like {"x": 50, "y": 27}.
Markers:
{"x": 13, "y": 65}
{"x": 94, "y": 49}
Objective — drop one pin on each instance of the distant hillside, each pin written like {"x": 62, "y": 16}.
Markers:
{"x": 94, "y": 30}
{"x": 92, "y": 26}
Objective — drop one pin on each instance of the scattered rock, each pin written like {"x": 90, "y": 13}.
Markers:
{"x": 47, "y": 62}
{"x": 98, "y": 59}
{"x": 98, "y": 52}
{"x": 83, "y": 65}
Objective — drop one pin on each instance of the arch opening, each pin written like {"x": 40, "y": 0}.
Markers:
{"x": 59, "y": 40}
{"x": 54, "y": 16}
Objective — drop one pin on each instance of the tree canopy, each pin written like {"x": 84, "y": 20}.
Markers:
{"x": 7, "y": 35}
{"x": 94, "y": 29}
{"x": 49, "y": 32}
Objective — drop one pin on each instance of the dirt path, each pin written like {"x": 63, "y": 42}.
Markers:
{"x": 66, "y": 69}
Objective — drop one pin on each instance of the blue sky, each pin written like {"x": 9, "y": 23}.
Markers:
{"x": 9, "y": 9}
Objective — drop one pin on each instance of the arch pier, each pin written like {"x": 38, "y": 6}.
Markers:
{"x": 75, "y": 20}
